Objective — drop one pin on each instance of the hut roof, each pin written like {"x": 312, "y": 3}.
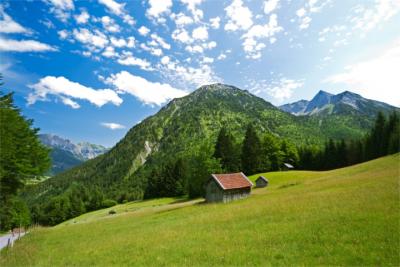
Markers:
{"x": 289, "y": 166}
{"x": 232, "y": 180}
{"x": 263, "y": 178}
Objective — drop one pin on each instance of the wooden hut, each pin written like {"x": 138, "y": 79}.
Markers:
{"x": 227, "y": 187}
{"x": 262, "y": 182}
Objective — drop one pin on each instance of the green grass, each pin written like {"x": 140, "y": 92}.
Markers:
{"x": 348, "y": 216}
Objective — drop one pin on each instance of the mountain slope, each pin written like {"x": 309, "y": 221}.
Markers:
{"x": 345, "y": 103}
{"x": 344, "y": 217}
{"x": 183, "y": 128}
{"x": 65, "y": 154}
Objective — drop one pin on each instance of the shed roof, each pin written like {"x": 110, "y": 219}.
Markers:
{"x": 232, "y": 180}
{"x": 290, "y": 166}
{"x": 262, "y": 178}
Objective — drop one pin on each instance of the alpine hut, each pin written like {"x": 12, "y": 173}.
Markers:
{"x": 227, "y": 187}
{"x": 262, "y": 182}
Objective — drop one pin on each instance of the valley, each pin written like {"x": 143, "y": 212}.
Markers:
{"x": 302, "y": 218}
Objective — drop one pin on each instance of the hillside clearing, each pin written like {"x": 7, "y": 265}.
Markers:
{"x": 348, "y": 216}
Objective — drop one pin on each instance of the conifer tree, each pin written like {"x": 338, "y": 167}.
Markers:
{"x": 226, "y": 151}
{"x": 251, "y": 152}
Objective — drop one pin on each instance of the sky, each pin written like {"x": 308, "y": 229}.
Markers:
{"x": 90, "y": 70}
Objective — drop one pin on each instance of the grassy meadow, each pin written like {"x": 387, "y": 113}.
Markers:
{"x": 348, "y": 216}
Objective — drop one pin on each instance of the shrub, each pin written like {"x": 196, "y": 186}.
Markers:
{"x": 108, "y": 203}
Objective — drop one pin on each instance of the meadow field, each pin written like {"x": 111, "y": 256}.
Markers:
{"x": 348, "y": 216}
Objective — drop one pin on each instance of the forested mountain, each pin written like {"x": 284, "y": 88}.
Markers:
{"x": 65, "y": 154}
{"x": 345, "y": 103}
{"x": 187, "y": 129}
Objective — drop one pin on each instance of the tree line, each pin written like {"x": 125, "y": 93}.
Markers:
{"x": 383, "y": 139}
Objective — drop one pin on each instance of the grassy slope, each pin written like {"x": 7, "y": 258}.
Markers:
{"x": 348, "y": 216}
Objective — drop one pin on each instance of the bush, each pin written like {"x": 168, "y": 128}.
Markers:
{"x": 111, "y": 212}
{"x": 108, "y": 203}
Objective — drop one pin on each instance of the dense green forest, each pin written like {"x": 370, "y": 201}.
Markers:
{"x": 22, "y": 157}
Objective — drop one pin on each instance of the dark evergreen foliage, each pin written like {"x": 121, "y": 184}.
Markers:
{"x": 22, "y": 157}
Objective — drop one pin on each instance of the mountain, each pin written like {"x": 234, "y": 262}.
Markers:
{"x": 65, "y": 154}
{"x": 186, "y": 127}
{"x": 345, "y": 103}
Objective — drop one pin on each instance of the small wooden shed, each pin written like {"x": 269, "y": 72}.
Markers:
{"x": 227, "y": 187}
{"x": 262, "y": 182}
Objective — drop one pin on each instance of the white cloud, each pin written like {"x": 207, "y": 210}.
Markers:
{"x": 69, "y": 102}
{"x": 109, "y": 24}
{"x": 113, "y": 7}
{"x": 191, "y": 6}
{"x": 270, "y": 6}
{"x": 112, "y": 125}
{"x": 158, "y": 7}
{"x": 97, "y": 39}
{"x": 221, "y": 56}
{"x": 8, "y": 25}
{"x": 301, "y": 12}
{"x": 160, "y": 41}
{"x": 280, "y": 90}
{"x": 215, "y": 22}
{"x": 208, "y": 60}
{"x": 144, "y": 30}
{"x": 305, "y": 22}
{"x": 165, "y": 60}
{"x": 24, "y": 46}
{"x": 63, "y": 34}
{"x": 284, "y": 89}
{"x": 181, "y": 19}
{"x": 367, "y": 18}
{"x": 239, "y": 16}
{"x": 182, "y": 36}
{"x": 194, "y": 49}
{"x": 200, "y": 33}
{"x": 61, "y": 8}
{"x": 129, "y": 42}
{"x": 129, "y": 60}
{"x": 304, "y": 13}
{"x": 188, "y": 77}
{"x": 251, "y": 45}
{"x": 82, "y": 18}
{"x": 66, "y": 90}
{"x": 377, "y": 78}
{"x": 119, "y": 10}
{"x": 210, "y": 45}
{"x": 109, "y": 52}
{"x": 150, "y": 93}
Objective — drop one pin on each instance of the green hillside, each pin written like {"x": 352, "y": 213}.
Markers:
{"x": 182, "y": 129}
{"x": 348, "y": 216}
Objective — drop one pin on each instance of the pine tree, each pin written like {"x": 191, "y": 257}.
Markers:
{"x": 393, "y": 134}
{"x": 251, "y": 152}
{"x": 226, "y": 152}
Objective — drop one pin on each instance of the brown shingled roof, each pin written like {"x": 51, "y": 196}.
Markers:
{"x": 232, "y": 180}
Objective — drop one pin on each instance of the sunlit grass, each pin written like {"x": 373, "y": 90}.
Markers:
{"x": 348, "y": 216}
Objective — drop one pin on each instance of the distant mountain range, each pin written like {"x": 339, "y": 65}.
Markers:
{"x": 346, "y": 103}
{"x": 65, "y": 154}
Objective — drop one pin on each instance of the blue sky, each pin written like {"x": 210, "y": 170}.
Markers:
{"x": 90, "y": 70}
